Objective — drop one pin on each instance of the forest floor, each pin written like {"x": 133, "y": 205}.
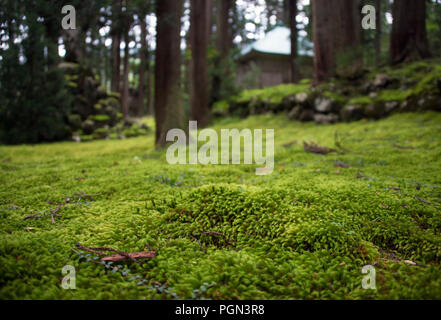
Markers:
{"x": 221, "y": 232}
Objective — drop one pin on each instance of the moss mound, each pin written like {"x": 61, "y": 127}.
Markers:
{"x": 231, "y": 216}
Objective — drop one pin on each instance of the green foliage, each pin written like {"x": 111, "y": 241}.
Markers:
{"x": 223, "y": 76}
{"x": 434, "y": 26}
{"x": 34, "y": 99}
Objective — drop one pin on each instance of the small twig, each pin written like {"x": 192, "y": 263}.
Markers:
{"x": 32, "y": 216}
{"x": 212, "y": 233}
{"x": 422, "y": 200}
{"x": 120, "y": 256}
{"x": 197, "y": 241}
{"x": 79, "y": 246}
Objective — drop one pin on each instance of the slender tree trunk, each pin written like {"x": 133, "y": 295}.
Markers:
{"x": 188, "y": 85}
{"x": 199, "y": 98}
{"x": 116, "y": 45}
{"x": 125, "y": 88}
{"x": 168, "y": 103}
{"x": 74, "y": 43}
{"x": 409, "y": 35}
{"x": 223, "y": 28}
{"x": 143, "y": 67}
{"x": 224, "y": 40}
{"x": 379, "y": 32}
{"x": 116, "y": 63}
{"x": 150, "y": 106}
{"x": 210, "y": 6}
{"x": 336, "y": 39}
{"x": 294, "y": 35}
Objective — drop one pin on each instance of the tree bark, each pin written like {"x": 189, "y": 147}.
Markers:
{"x": 210, "y": 6}
{"x": 125, "y": 88}
{"x": 409, "y": 35}
{"x": 336, "y": 37}
{"x": 224, "y": 39}
{"x": 168, "y": 103}
{"x": 379, "y": 32}
{"x": 199, "y": 97}
{"x": 292, "y": 4}
{"x": 143, "y": 67}
{"x": 116, "y": 44}
{"x": 74, "y": 43}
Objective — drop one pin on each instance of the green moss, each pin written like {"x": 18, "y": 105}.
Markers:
{"x": 87, "y": 138}
{"x": 220, "y": 108}
{"x": 221, "y": 232}
{"x": 275, "y": 94}
{"x": 100, "y": 118}
{"x": 393, "y": 95}
{"x": 363, "y": 100}
{"x": 101, "y": 133}
{"x": 335, "y": 96}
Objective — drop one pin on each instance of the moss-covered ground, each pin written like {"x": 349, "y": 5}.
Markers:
{"x": 221, "y": 232}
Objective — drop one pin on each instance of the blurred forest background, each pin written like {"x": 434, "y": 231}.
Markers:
{"x": 175, "y": 59}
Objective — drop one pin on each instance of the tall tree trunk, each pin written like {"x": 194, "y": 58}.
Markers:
{"x": 224, "y": 39}
{"x": 294, "y": 35}
{"x": 286, "y": 13}
{"x": 199, "y": 97}
{"x": 116, "y": 45}
{"x": 150, "y": 106}
{"x": 409, "y": 35}
{"x": 223, "y": 28}
{"x": 168, "y": 103}
{"x": 116, "y": 63}
{"x": 210, "y": 6}
{"x": 379, "y": 32}
{"x": 336, "y": 39}
{"x": 125, "y": 88}
{"x": 74, "y": 43}
{"x": 143, "y": 67}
